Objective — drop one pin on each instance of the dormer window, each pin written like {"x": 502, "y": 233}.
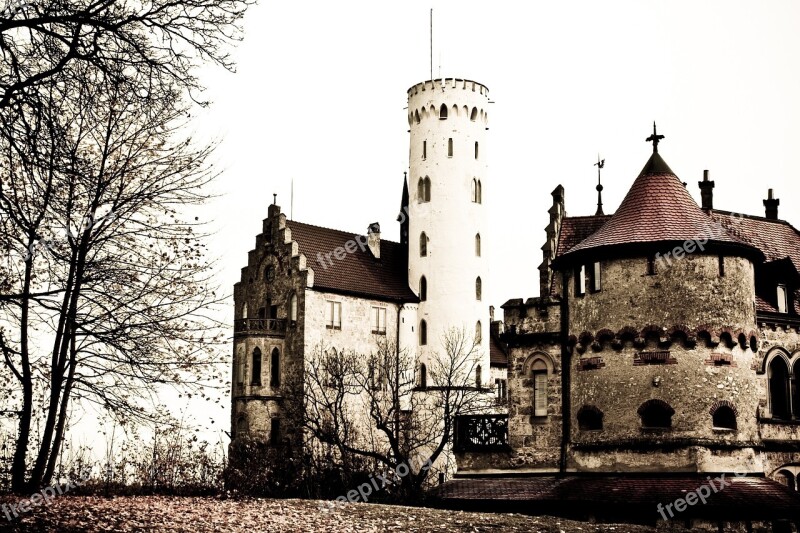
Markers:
{"x": 783, "y": 299}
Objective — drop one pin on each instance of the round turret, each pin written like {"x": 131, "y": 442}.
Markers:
{"x": 447, "y": 219}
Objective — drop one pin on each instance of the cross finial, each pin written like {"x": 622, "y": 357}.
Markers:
{"x": 600, "y": 164}
{"x": 654, "y": 138}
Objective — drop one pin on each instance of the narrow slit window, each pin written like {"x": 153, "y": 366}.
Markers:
{"x": 721, "y": 266}
{"x": 478, "y": 288}
{"x": 476, "y": 149}
{"x": 424, "y": 149}
{"x": 423, "y": 333}
{"x": 595, "y": 277}
{"x": 651, "y": 265}
{"x": 450, "y": 147}
{"x": 539, "y": 388}
{"x": 478, "y": 245}
{"x": 783, "y": 300}
{"x": 423, "y": 289}
{"x": 423, "y": 245}
{"x": 580, "y": 280}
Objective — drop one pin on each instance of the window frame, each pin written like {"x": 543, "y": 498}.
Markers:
{"x": 378, "y": 312}
{"x": 255, "y": 368}
{"x": 333, "y": 312}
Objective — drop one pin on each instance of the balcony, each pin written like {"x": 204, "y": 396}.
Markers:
{"x": 275, "y": 327}
{"x": 485, "y": 433}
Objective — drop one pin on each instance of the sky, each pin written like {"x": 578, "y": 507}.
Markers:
{"x": 319, "y": 98}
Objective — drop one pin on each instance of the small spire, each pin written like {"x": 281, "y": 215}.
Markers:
{"x": 654, "y": 138}
{"x": 600, "y": 164}
{"x": 274, "y": 198}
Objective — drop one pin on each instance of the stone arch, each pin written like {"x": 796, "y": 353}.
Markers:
{"x": 590, "y": 418}
{"x": 786, "y": 478}
{"x": 656, "y": 413}
{"x": 538, "y": 356}
{"x": 443, "y": 112}
{"x": 778, "y": 369}
{"x": 723, "y": 415}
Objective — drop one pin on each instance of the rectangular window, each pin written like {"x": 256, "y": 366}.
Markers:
{"x": 595, "y": 283}
{"x": 783, "y": 301}
{"x": 240, "y": 371}
{"x": 379, "y": 320}
{"x": 540, "y": 394}
{"x": 580, "y": 281}
{"x": 334, "y": 318}
{"x": 721, "y": 266}
{"x": 450, "y": 147}
{"x": 275, "y": 431}
{"x": 501, "y": 390}
{"x": 651, "y": 266}
{"x": 424, "y": 149}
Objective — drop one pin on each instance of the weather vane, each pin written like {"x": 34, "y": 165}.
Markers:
{"x": 654, "y": 138}
{"x": 600, "y": 164}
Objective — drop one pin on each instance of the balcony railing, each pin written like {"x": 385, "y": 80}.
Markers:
{"x": 483, "y": 433}
{"x": 268, "y": 326}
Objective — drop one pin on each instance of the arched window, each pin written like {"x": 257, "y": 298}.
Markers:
{"x": 423, "y": 289}
{"x": 421, "y": 190}
{"x": 443, "y": 112}
{"x": 477, "y": 244}
{"x": 723, "y": 417}
{"x": 450, "y": 147}
{"x": 787, "y": 479}
{"x": 478, "y": 288}
{"x": 656, "y": 414}
{"x": 241, "y": 426}
{"x": 275, "y": 368}
{"x": 474, "y": 190}
{"x": 423, "y": 245}
{"x": 416, "y": 116}
{"x": 423, "y": 376}
{"x": 474, "y": 115}
{"x": 478, "y": 377}
{"x": 244, "y": 310}
{"x": 478, "y": 332}
{"x": 240, "y": 364}
{"x": 778, "y": 375}
{"x": 476, "y": 149}
{"x": 590, "y": 418}
{"x": 255, "y": 375}
{"x": 539, "y": 374}
{"x": 423, "y": 333}
{"x": 293, "y": 308}
{"x": 479, "y": 196}
{"x": 426, "y": 189}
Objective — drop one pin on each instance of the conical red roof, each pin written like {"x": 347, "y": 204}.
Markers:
{"x": 657, "y": 208}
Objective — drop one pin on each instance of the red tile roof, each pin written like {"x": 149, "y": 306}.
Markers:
{"x": 358, "y": 273}
{"x": 742, "y": 497}
{"x": 576, "y": 229}
{"x": 657, "y": 208}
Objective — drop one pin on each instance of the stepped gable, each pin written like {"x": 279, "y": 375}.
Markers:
{"x": 657, "y": 209}
{"x": 358, "y": 273}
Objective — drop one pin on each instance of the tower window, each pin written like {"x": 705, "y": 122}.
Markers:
{"x": 651, "y": 265}
{"x": 244, "y": 310}
{"x": 443, "y": 112}
{"x": 275, "y": 431}
{"x": 476, "y": 190}
{"x": 478, "y": 288}
{"x": 474, "y": 115}
{"x": 293, "y": 308}
{"x": 423, "y": 333}
{"x": 723, "y": 417}
{"x": 255, "y": 377}
{"x": 656, "y": 414}
{"x": 539, "y": 370}
{"x": 783, "y": 299}
{"x": 477, "y": 245}
{"x": 480, "y": 193}
{"x": 424, "y": 149}
{"x": 476, "y": 149}
{"x": 450, "y": 147}
{"x": 580, "y": 280}
{"x": 423, "y": 376}
{"x": 275, "y": 368}
{"x": 424, "y": 189}
{"x": 240, "y": 367}
{"x": 423, "y": 289}
{"x": 595, "y": 281}
{"x": 478, "y": 332}
{"x": 590, "y": 418}
{"x": 478, "y": 377}
{"x": 423, "y": 245}
{"x": 779, "y": 387}
{"x": 721, "y": 266}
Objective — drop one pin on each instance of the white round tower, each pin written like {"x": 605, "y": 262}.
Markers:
{"x": 447, "y": 183}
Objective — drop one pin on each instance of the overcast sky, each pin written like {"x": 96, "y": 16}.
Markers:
{"x": 320, "y": 97}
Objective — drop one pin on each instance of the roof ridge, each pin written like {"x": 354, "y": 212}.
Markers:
{"x": 343, "y": 232}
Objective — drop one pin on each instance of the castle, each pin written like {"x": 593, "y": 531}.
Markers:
{"x": 664, "y": 344}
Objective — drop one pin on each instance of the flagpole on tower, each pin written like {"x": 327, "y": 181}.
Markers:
{"x": 431, "y": 44}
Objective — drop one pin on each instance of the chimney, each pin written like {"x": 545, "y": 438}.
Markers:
{"x": 374, "y": 239}
{"x": 706, "y": 192}
{"x": 771, "y": 206}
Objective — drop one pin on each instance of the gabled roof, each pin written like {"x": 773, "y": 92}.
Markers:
{"x": 358, "y": 273}
{"x": 497, "y": 352}
{"x": 657, "y": 209}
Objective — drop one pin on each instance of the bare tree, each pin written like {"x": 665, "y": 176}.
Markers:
{"x": 164, "y": 39}
{"x": 370, "y": 406}
{"x": 102, "y": 264}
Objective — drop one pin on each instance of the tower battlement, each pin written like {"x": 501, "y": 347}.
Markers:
{"x": 448, "y": 98}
